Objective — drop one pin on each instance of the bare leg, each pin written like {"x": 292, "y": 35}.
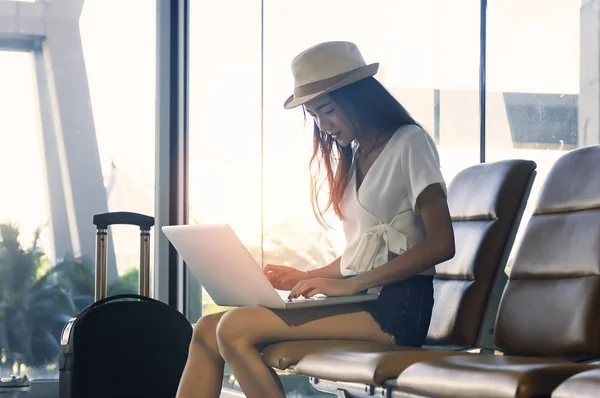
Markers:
{"x": 203, "y": 373}
{"x": 241, "y": 330}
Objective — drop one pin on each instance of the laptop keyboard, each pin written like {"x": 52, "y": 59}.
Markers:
{"x": 284, "y": 297}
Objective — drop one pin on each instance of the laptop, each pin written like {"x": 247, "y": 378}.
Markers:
{"x": 229, "y": 273}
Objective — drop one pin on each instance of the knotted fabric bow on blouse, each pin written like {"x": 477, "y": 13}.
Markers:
{"x": 374, "y": 246}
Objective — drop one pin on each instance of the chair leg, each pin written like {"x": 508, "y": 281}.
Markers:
{"x": 341, "y": 394}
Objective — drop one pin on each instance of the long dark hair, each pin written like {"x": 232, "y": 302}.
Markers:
{"x": 369, "y": 107}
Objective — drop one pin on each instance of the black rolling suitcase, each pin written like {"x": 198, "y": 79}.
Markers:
{"x": 124, "y": 346}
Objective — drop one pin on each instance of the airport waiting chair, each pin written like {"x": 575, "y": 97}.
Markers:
{"x": 547, "y": 325}
{"x": 582, "y": 385}
{"x": 486, "y": 204}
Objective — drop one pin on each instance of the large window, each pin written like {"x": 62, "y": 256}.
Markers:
{"x": 225, "y": 125}
{"x": 434, "y": 74}
{"x": 534, "y": 78}
{"x": 77, "y": 127}
{"x": 76, "y": 139}
{"x": 249, "y": 157}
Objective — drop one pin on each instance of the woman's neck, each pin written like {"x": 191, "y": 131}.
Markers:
{"x": 372, "y": 142}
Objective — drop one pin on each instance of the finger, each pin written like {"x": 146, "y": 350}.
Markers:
{"x": 275, "y": 283}
{"x": 271, "y": 276}
{"x": 312, "y": 292}
{"x": 305, "y": 289}
{"x": 294, "y": 292}
{"x": 271, "y": 268}
{"x": 302, "y": 286}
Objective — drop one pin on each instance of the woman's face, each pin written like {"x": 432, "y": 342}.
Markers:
{"x": 330, "y": 119}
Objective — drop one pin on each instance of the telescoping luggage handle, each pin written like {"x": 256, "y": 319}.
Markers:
{"x": 102, "y": 221}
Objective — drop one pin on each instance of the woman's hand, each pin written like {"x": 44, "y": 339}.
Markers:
{"x": 282, "y": 277}
{"x": 326, "y": 286}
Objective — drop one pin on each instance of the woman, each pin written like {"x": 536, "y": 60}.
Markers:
{"x": 385, "y": 184}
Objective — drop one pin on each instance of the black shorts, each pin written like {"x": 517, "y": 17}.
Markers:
{"x": 403, "y": 310}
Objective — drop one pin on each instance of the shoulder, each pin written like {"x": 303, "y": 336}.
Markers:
{"x": 418, "y": 160}
{"x": 411, "y": 133}
{"x": 413, "y": 139}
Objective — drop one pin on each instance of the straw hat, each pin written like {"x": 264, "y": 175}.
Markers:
{"x": 326, "y": 67}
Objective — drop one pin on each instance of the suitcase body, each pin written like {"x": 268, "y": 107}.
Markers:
{"x": 124, "y": 346}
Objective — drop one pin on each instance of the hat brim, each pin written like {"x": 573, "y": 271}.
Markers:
{"x": 356, "y": 75}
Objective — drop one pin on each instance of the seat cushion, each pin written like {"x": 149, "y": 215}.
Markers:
{"x": 582, "y": 385}
{"x": 287, "y": 353}
{"x": 492, "y": 376}
{"x": 366, "y": 365}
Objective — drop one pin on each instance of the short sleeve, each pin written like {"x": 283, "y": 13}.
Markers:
{"x": 420, "y": 164}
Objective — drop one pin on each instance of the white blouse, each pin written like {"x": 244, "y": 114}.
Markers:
{"x": 382, "y": 216}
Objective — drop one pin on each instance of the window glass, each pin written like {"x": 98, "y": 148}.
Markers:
{"x": 542, "y": 69}
{"x": 224, "y": 126}
{"x": 76, "y": 139}
{"x": 249, "y": 158}
{"x": 428, "y": 62}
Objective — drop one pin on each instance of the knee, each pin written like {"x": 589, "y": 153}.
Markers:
{"x": 205, "y": 331}
{"x": 233, "y": 332}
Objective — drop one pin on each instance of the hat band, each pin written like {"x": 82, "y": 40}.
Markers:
{"x": 320, "y": 85}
